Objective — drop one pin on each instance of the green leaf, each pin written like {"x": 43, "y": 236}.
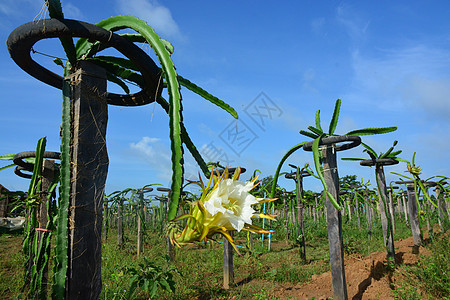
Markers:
{"x": 315, "y": 130}
{"x": 333, "y": 201}
{"x": 61, "y": 255}
{"x": 394, "y": 154}
{"x": 58, "y": 62}
{"x": 198, "y": 90}
{"x": 280, "y": 164}
{"x": 389, "y": 150}
{"x": 425, "y": 193}
{"x": 165, "y": 285}
{"x": 117, "y": 70}
{"x": 402, "y": 175}
{"x": 335, "y": 117}
{"x": 319, "y": 170}
{"x": 371, "y": 131}
{"x": 113, "y": 78}
{"x": 187, "y": 141}
{"x": 309, "y": 134}
{"x": 134, "y": 37}
{"x": 133, "y": 285}
{"x": 6, "y": 167}
{"x": 7, "y": 156}
{"x": 55, "y": 12}
{"x": 37, "y": 170}
{"x": 173, "y": 88}
{"x": 55, "y": 9}
{"x": 317, "y": 162}
{"x": 120, "y": 61}
{"x": 370, "y": 151}
{"x": 318, "y": 121}
{"x": 401, "y": 159}
{"x": 168, "y": 45}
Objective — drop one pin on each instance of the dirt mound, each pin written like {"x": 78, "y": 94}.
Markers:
{"x": 367, "y": 278}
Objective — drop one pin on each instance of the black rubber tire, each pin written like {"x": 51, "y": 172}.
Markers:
{"x": 18, "y": 158}
{"x": 405, "y": 182}
{"x": 290, "y": 175}
{"x": 22, "y": 39}
{"x": 146, "y": 190}
{"x": 353, "y": 139}
{"x": 380, "y": 161}
{"x": 26, "y": 166}
{"x": 293, "y": 174}
{"x": 18, "y": 171}
{"x": 161, "y": 199}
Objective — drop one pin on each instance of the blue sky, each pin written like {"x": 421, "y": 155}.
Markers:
{"x": 389, "y": 62}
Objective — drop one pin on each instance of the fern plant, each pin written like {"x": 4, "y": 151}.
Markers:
{"x": 149, "y": 278}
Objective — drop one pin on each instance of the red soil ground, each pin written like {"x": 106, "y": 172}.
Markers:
{"x": 367, "y": 278}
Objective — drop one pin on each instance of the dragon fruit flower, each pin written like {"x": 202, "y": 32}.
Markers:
{"x": 226, "y": 206}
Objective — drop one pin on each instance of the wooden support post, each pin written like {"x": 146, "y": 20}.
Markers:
{"x": 405, "y": 208}
{"x": 385, "y": 215}
{"x": 414, "y": 218}
{"x": 317, "y": 208}
{"x": 334, "y": 222}
{"x": 357, "y": 212}
{"x": 391, "y": 208}
{"x": 442, "y": 208}
{"x": 4, "y": 202}
{"x": 120, "y": 222}
{"x": 141, "y": 219}
{"x": 427, "y": 214}
{"x": 368, "y": 216}
{"x": 228, "y": 269}
{"x": 89, "y": 160}
{"x": 43, "y": 218}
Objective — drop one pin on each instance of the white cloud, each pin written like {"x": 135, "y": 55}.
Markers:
{"x": 411, "y": 77}
{"x": 12, "y": 7}
{"x": 13, "y": 10}
{"x": 72, "y": 12}
{"x": 155, "y": 154}
{"x": 355, "y": 25}
{"x": 155, "y": 14}
{"x": 431, "y": 94}
{"x": 308, "y": 81}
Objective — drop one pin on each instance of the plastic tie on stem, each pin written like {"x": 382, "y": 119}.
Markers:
{"x": 43, "y": 229}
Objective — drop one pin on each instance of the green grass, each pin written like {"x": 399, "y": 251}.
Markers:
{"x": 431, "y": 275}
{"x": 256, "y": 274}
{"x": 11, "y": 261}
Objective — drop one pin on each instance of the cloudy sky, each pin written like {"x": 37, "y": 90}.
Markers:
{"x": 276, "y": 63}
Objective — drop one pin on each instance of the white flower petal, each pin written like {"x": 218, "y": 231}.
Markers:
{"x": 231, "y": 204}
{"x": 214, "y": 205}
{"x": 237, "y": 223}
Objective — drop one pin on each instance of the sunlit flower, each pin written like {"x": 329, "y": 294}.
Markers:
{"x": 225, "y": 207}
